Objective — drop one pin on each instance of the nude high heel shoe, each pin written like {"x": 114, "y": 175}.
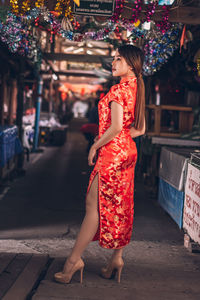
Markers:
{"x": 63, "y": 277}
{"x": 113, "y": 268}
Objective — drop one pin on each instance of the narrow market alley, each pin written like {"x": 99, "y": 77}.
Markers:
{"x": 40, "y": 214}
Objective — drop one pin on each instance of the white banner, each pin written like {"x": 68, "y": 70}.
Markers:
{"x": 191, "y": 216}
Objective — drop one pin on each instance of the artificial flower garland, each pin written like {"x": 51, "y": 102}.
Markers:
{"x": 63, "y": 8}
{"x": 158, "y": 46}
{"x": 39, "y": 3}
{"x": 151, "y": 10}
{"x": 136, "y": 11}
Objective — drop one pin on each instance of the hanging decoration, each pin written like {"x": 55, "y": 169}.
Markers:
{"x": 39, "y": 3}
{"x": 137, "y": 34}
{"x": 18, "y": 31}
{"x": 25, "y": 7}
{"x": 164, "y": 25}
{"x": 159, "y": 47}
{"x": 151, "y": 10}
{"x": 136, "y": 11}
{"x": 136, "y": 24}
{"x": 77, "y": 2}
{"x": 64, "y": 8}
{"x": 66, "y": 24}
{"x": 14, "y": 7}
{"x": 118, "y": 10}
{"x": 59, "y": 7}
{"x": 20, "y": 39}
{"x": 182, "y": 38}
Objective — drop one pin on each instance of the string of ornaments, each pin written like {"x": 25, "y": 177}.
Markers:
{"x": 159, "y": 43}
{"x": 63, "y": 8}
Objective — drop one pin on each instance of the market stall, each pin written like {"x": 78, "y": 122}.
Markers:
{"x": 191, "y": 214}
{"x": 10, "y": 147}
{"x": 172, "y": 176}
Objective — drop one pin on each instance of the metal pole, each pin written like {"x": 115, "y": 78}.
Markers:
{"x": 37, "y": 114}
{"x": 20, "y": 98}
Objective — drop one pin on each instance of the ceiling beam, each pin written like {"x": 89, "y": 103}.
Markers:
{"x": 75, "y": 57}
{"x": 181, "y": 14}
{"x": 77, "y": 73}
{"x": 67, "y": 44}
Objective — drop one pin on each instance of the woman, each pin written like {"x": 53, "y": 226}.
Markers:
{"x": 109, "y": 200}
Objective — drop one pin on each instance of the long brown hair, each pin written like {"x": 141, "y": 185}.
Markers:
{"x": 135, "y": 58}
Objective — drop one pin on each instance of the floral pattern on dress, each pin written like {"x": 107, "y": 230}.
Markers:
{"x": 115, "y": 167}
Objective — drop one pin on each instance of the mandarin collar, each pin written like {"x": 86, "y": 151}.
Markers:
{"x": 128, "y": 78}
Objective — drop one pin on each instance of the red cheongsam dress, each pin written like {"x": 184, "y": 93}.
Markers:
{"x": 115, "y": 168}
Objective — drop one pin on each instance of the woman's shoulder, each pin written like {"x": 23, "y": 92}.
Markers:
{"x": 120, "y": 89}
{"x": 114, "y": 87}
{"x": 117, "y": 88}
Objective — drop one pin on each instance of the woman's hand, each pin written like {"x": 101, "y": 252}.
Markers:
{"x": 96, "y": 138}
{"x": 92, "y": 156}
{"x": 135, "y": 132}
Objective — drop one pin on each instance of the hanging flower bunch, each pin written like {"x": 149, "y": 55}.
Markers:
{"x": 63, "y": 8}
{"x": 164, "y": 25}
{"x": 119, "y": 5}
{"x": 25, "y": 6}
{"x": 151, "y": 10}
{"x": 14, "y": 7}
{"x": 39, "y": 3}
{"x": 136, "y": 11}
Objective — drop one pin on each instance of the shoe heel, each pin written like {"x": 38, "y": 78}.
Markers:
{"x": 81, "y": 274}
{"x": 119, "y": 271}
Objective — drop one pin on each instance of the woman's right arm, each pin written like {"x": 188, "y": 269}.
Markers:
{"x": 135, "y": 132}
{"x": 111, "y": 132}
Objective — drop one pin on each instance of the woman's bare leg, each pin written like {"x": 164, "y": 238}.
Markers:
{"x": 117, "y": 253}
{"x": 88, "y": 228}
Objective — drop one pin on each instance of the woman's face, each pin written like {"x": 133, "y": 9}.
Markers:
{"x": 120, "y": 67}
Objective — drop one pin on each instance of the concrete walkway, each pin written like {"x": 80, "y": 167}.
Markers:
{"x": 40, "y": 215}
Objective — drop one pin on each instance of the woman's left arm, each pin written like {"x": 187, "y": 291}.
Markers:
{"x": 111, "y": 132}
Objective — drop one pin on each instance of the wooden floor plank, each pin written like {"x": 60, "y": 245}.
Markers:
{"x": 5, "y": 259}
{"x": 12, "y": 271}
{"x": 56, "y": 266}
{"x": 25, "y": 282}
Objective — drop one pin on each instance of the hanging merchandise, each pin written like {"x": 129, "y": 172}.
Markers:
{"x": 159, "y": 42}
{"x": 136, "y": 11}
{"x": 159, "y": 47}
{"x": 25, "y": 7}
{"x": 14, "y": 7}
{"x": 64, "y": 8}
{"x": 119, "y": 4}
{"x": 151, "y": 10}
{"x": 164, "y": 25}
{"x": 39, "y": 3}
{"x": 19, "y": 37}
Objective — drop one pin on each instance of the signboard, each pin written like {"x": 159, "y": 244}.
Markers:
{"x": 95, "y": 8}
{"x": 191, "y": 216}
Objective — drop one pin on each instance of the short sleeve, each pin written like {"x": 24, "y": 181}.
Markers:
{"x": 116, "y": 94}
